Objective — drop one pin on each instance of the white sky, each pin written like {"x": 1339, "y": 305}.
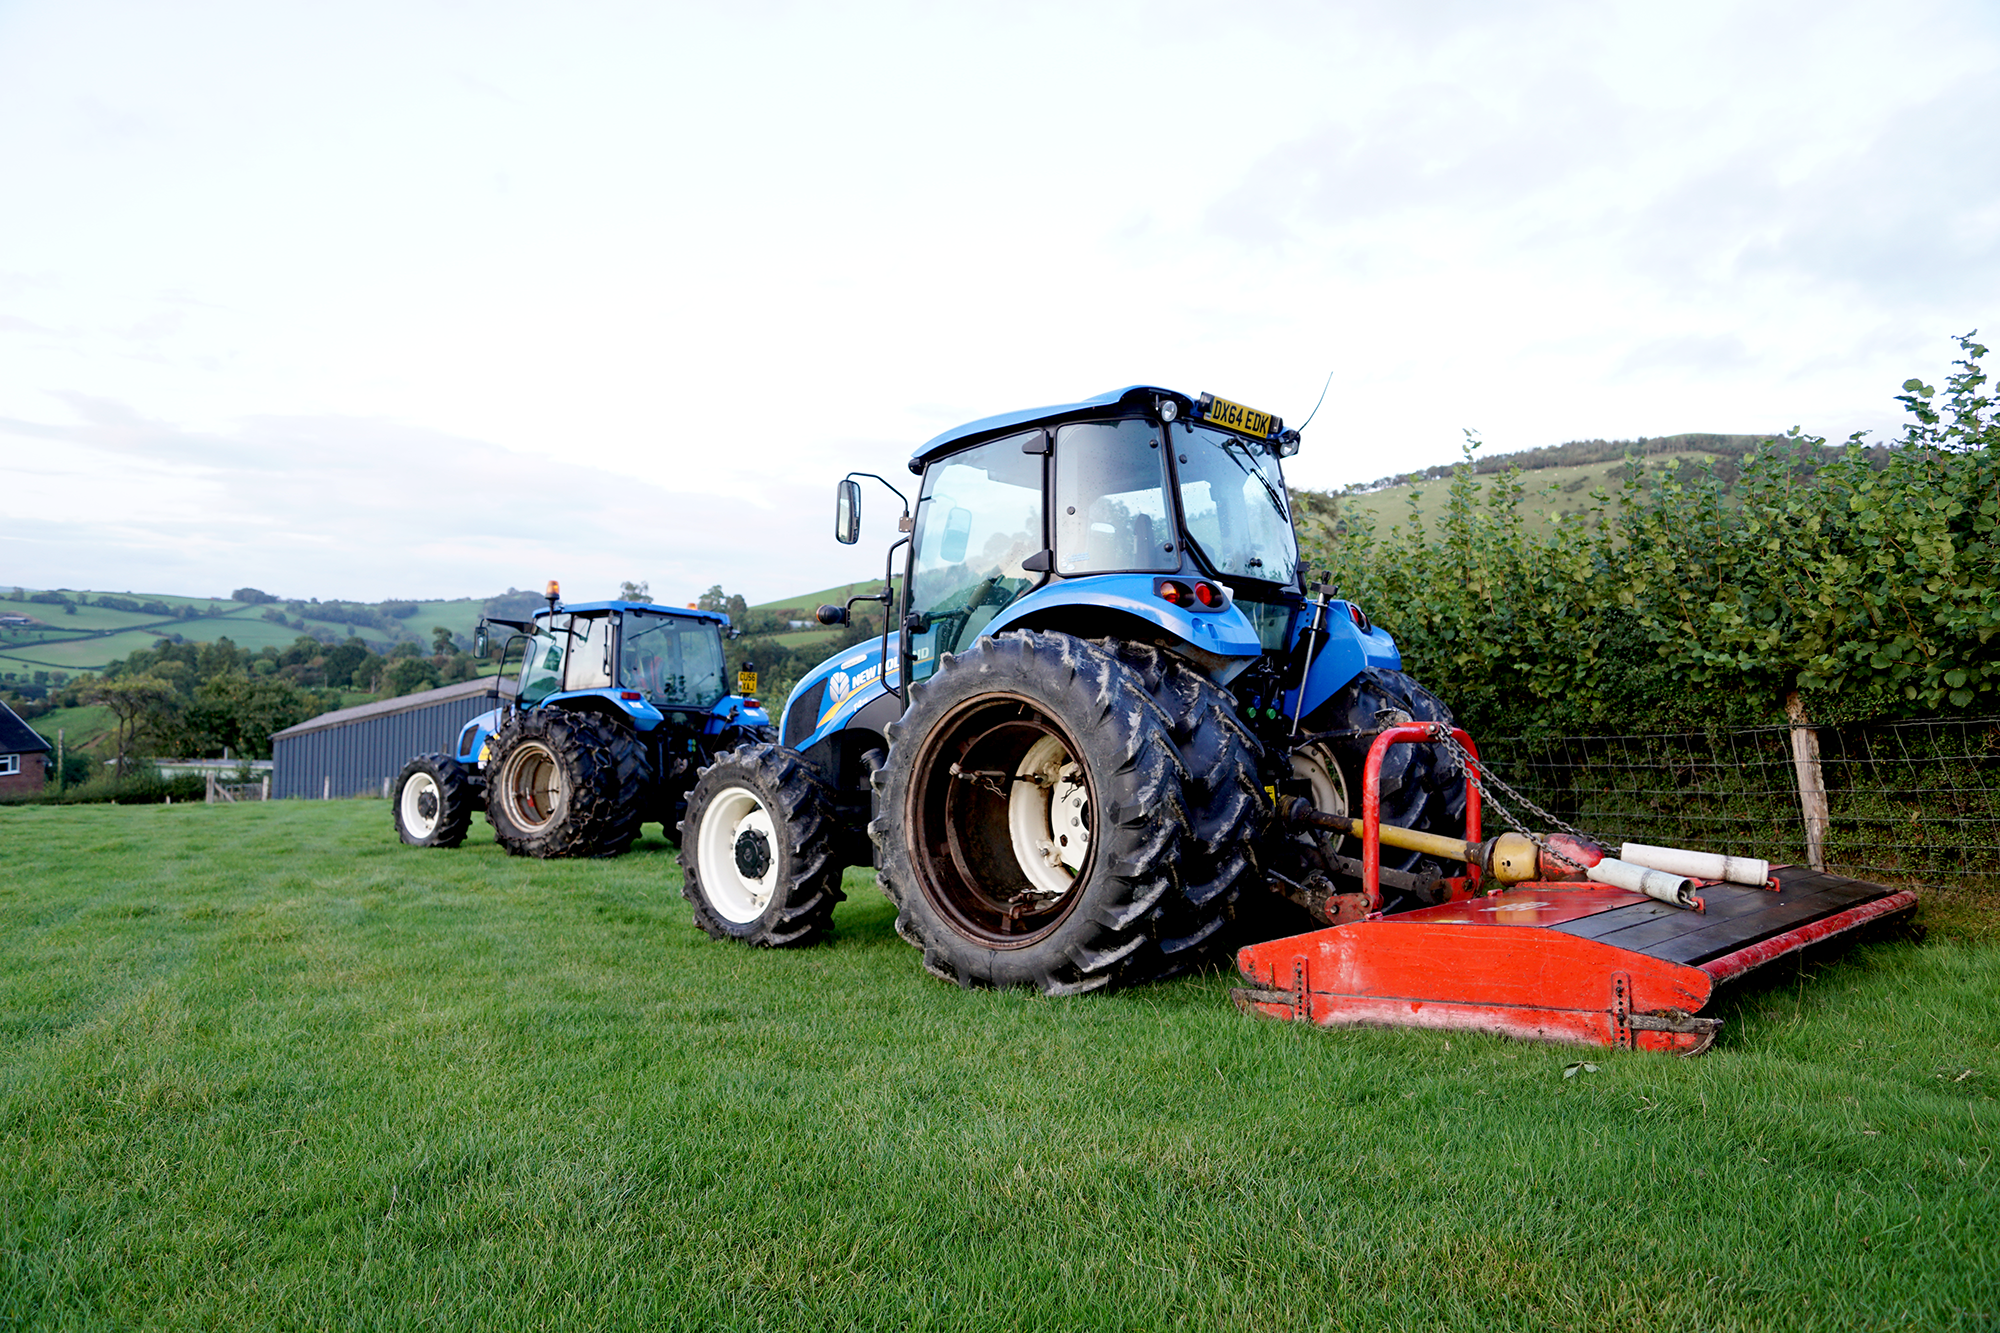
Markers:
{"x": 427, "y": 299}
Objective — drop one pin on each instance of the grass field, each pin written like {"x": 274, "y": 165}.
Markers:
{"x": 264, "y": 1067}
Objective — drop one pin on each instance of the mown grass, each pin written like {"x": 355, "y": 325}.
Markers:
{"x": 264, "y": 1067}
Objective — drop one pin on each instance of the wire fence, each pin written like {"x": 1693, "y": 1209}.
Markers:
{"x": 1904, "y": 802}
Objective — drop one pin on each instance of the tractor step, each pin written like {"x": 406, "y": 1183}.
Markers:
{"x": 1573, "y": 962}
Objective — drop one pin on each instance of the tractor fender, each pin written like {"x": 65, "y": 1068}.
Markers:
{"x": 1346, "y": 653}
{"x": 1224, "y": 641}
{"x": 734, "y": 710}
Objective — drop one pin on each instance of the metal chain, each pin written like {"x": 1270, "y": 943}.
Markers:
{"x": 1485, "y": 780}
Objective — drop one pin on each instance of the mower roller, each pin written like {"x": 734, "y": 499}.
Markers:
{"x": 1557, "y": 954}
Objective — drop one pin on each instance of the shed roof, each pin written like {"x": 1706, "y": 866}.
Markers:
{"x": 17, "y": 737}
{"x": 489, "y": 686}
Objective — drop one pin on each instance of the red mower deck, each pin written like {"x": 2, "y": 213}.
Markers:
{"x": 1574, "y": 962}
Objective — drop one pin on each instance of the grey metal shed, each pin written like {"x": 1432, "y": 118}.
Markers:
{"x": 353, "y": 751}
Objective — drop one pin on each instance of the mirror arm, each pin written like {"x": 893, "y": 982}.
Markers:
{"x": 892, "y": 490}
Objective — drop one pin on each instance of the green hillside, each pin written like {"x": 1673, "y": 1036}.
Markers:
{"x": 81, "y": 633}
{"x": 1550, "y": 492}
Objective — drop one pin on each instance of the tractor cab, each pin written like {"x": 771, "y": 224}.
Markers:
{"x": 1174, "y": 505}
{"x": 672, "y": 660}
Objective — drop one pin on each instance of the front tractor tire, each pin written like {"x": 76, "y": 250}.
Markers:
{"x": 1036, "y": 824}
{"x": 756, "y": 849}
{"x": 565, "y": 784}
{"x": 435, "y": 798}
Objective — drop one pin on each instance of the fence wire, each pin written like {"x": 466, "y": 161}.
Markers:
{"x": 1909, "y": 802}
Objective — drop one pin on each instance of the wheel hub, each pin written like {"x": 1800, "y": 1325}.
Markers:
{"x": 753, "y": 853}
{"x": 427, "y": 804}
{"x": 1004, "y": 824}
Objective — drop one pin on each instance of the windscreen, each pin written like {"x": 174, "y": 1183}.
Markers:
{"x": 1233, "y": 500}
{"x": 674, "y": 661}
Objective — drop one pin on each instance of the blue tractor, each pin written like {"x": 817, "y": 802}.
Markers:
{"x": 616, "y": 706}
{"x": 1102, "y": 671}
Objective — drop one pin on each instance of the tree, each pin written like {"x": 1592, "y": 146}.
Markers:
{"x": 140, "y": 704}
{"x": 407, "y": 675}
{"x": 729, "y": 603}
{"x": 251, "y": 595}
{"x": 441, "y": 644}
{"x": 628, "y": 591}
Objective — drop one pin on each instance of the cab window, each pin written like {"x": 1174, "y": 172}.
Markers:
{"x": 1111, "y": 499}
{"x": 541, "y": 671}
{"x": 590, "y": 653}
{"x": 674, "y": 661}
{"x": 978, "y": 518}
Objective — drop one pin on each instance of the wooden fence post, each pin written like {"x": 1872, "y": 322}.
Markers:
{"x": 1812, "y": 781}
{"x": 208, "y": 797}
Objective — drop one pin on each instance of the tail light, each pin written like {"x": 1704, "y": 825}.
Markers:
{"x": 1195, "y": 595}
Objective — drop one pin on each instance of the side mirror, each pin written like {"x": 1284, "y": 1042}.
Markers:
{"x": 847, "y": 513}
{"x": 481, "y": 647}
{"x": 831, "y": 615}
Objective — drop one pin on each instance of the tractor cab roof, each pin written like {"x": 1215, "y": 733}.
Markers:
{"x": 1103, "y": 405}
{"x": 1206, "y": 408}
{"x": 596, "y": 608}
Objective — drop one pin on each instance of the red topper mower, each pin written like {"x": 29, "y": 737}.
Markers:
{"x": 1548, "y": 938}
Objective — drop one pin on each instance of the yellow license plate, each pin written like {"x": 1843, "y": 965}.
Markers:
{"x": 746, "y": 682}
{"x": 1235, "y": 416}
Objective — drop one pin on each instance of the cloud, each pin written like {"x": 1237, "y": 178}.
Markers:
{"x": 331, "y": 506}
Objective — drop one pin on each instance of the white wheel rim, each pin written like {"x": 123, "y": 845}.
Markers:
{"x": 735, "y": 813}
{"x": 1048, "y": 817}
{"x": 1329, "y": 789}
{"x": 415, "y": 822}
{"x": 532, "y": 786}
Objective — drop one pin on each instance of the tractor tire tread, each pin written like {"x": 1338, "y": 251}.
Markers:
{"x": 800, "y": 804}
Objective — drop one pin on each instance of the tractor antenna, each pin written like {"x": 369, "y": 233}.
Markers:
{"x": 1322, "y": 398}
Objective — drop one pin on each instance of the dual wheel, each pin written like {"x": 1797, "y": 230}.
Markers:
{"x": 1065, "y": 814}
{"x": 559, "y": 784}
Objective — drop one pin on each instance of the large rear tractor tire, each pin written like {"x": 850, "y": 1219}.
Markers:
{"x": 435, "y": 798}
{"x": 1225, "y": 804}
{"x": 1033, "y": 815}
{"x": 1421, "y": 785}
{"x": 565, "y": 784}
{"x": 755, "y": 849}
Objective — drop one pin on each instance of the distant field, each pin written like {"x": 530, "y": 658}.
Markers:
{"x": 79, "y": 654}
{"x": 95, "y": 637}
{"x": 86, "y": 620}
{"x": 263, "y": 1067}
{"x": 81, "y": 727}
{"x": 1572, "y": 487}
